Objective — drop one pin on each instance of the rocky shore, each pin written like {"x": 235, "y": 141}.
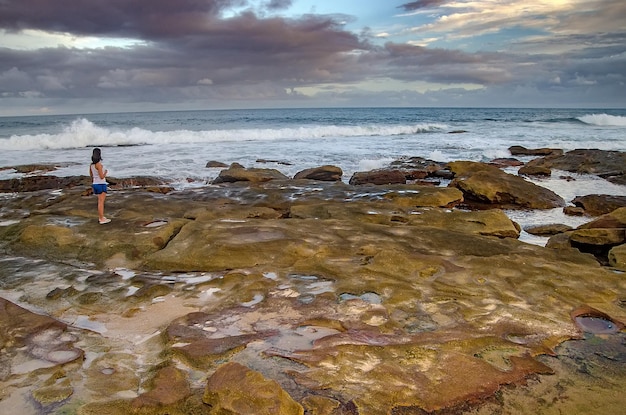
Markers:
{"x": 404, "y": 291}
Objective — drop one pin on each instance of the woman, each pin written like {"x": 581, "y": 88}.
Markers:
{"x": 99, "y": 184}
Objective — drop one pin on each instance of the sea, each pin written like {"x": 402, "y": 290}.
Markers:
{"x": 178, "y": 145}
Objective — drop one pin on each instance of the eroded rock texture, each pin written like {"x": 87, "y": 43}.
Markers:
{"x": 297, "y": 295}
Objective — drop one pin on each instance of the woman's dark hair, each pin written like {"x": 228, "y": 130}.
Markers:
{"x": 96, "y": 156}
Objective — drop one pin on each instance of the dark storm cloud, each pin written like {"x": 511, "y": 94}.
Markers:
{"x": 594, "y": 59}
{"x": 279, "y": 4}
{"x": 140, "y": 18}
{"x": 227, "y": 50}
{"x": 189, "y": 47}
{"x": 421, "y": 4}
{"x": 596, "y": 45}
{"x": 310, "y": 35}
{"x": 415, "y": 63}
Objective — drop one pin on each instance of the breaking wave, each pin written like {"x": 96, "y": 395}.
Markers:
{"x": 83, "y": 133}
{"x": 604, "y": 120}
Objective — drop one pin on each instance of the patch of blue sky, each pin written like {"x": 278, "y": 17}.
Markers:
{"x": 370, "y": 14}
{"x": 497, "y": 41}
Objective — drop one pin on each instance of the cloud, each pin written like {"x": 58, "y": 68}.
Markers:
{"x": 14, "y": 77}
{"x": 245, "y": 52}
{"x": 279, "y": 4}
{"x": 421, "y": 4}
{"x": 240, "y": 49}
{"x": 470, "y": 19}
{"x": 114, "y": 17}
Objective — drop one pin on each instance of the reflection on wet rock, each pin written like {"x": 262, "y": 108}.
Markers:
{"x": 371, "y": 298}
{"x": 596, "y": 325}
{"x": 341, "y": 299}
{"x": 39, "y": 341}
{"x": 593, "y": 321}
{"x": 155, "y": 223}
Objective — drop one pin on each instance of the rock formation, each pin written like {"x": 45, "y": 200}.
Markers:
{"x": 271, "y": 295}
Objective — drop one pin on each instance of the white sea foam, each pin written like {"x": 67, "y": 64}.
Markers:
{"x": 366, "y": 165}
{"x": 178, "y": 145}
{"x": 83, "y": 133}
{"x": 604, "y": 120}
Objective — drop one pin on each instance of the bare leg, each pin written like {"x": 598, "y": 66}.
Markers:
{"x": 101, "y": 198}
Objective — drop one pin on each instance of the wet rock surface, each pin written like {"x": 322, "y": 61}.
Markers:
{"x": 482, "y": 183}
{"x": 603, "y": 237}
{"x": 523, "y": 151}
{"x": 324, "y": 173}
{"x": 596, "y": 205}
{"x": 305, "y": 296}
{"x": 237, "y": 173}
{"x": 610, "y": 165}
{"x": 548, "y": 230}
{"x": 229, "y": 390}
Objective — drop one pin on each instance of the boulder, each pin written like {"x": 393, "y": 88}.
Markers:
{"x": 324, "y": 173}
{"x": 597, "y": 241}
{"x": 483, "y": 183}
{"x": 235, "y": 389}
{"x": 560, "y": 241}
{"x": 506, "y": 162}
{"x": 215, "y": 164}
{"x": 596, "y": 205}
{"x": 418, "y": 167}
{"x": 573, "y": 211}
{"x": 617, "y": 257}
{"x": 380, "y": 177}
{"x": 34, "y": 183}
{"x": 547, "y": 230}
{"x": 599, "y": 236}
{"x": 610, "y": 165}
{"x": 254, "y": 175}
{"x": 523, "y": 151}
{"x": 404, "y": 170}
{"x": 467, "y": 168}
{"x": 530, "y": 170}
{"x": 615, "y": 219}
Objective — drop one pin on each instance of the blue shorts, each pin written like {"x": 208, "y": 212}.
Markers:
{"x": 99, "y": 188}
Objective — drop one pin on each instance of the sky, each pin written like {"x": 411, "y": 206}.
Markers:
{"x": 88, "y": 56}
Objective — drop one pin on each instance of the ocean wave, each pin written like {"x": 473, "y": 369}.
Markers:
{"x": 83, "y": 133}
{"x": 604, "y": 120}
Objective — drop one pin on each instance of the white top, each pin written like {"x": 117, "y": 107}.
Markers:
{"x": 96, "y": 175}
